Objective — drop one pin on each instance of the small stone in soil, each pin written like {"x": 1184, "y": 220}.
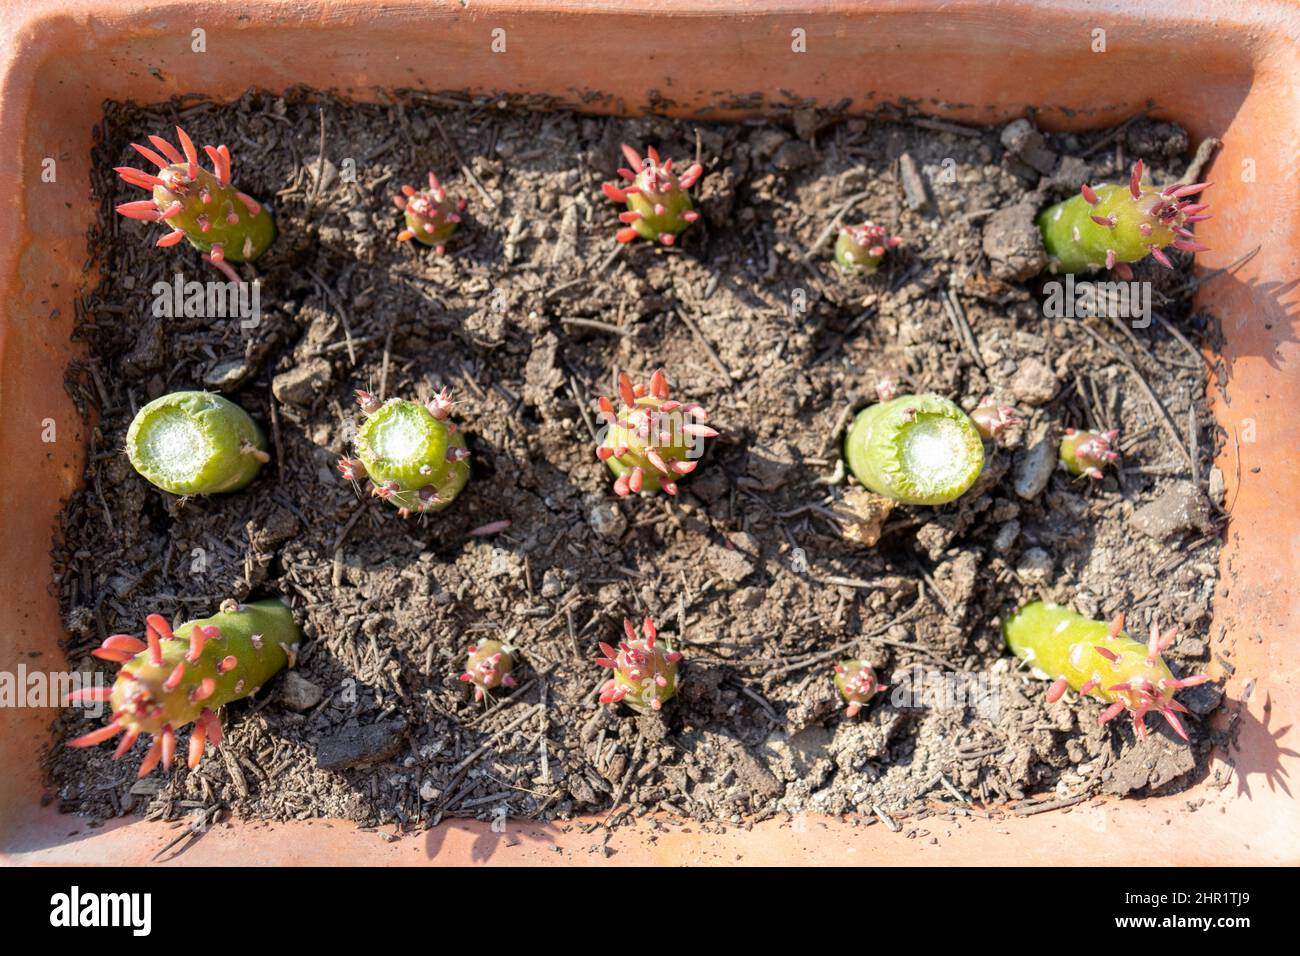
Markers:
{"x": 1013, "y": 243}
{"x": 1181, "y": 507}
{"x": 300, "y": 385}
{"x": 299, "y": 694}
{"x": 1034, "y": 383}
{"x": 731, "y": 565}
{"x": 1035, "y": 566}
{"x": 360, "y": 746}
{"x": 1034, "y": 467}
{"x": 606, "y": 520}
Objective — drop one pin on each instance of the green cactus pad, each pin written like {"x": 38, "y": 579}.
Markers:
{"x": 917, "y": 449}
{"x": 195, "y": 443}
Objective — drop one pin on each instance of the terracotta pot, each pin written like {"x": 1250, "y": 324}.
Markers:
{"x": 1219, "y": 68}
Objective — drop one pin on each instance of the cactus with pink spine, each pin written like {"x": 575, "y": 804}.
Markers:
{"x": 856, "y": 681}
{"x": 488, "y": 667}
{"x": 173, "y": 678}
{"x": 659, "y": 207}
{"x": 860, "y": 248}
{"x": 1087, "y": 452}
{"x": 431, "y": 215}
{"x": 201, "y": 207}
{"x": 645, "y": 669}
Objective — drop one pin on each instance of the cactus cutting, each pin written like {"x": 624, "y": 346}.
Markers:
{"x": 195, "y": 443}
{"x": 431, "y": 215}
{"x": 645, "y": 669}
{"x": 1099, "y": 660}
{"x": 916, "y": 449}
{"x": 659, "y": 207}
{"x": 173, "y": 678}
{"x": 1110, "y": 226}
{"x": 412, "y": 454}
{"x": 992, "y": 419}
{"x": 1087, "y": 453}
{"x": 857, "y": 684}
{"x": 860, "y": 248}
{"x": 652, "y": 441}
{"x": 488, "y": 667}
{"x": 201, "y": 207}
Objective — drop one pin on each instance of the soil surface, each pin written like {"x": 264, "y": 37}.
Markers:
{"x": 749, "y": 571}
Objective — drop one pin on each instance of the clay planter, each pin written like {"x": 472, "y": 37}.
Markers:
{"x": 1222, "y": 69}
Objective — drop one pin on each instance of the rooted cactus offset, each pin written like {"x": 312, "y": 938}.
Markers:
{"x": 1087, "y": 453}
{"x": 857, "y": 684}
{"x": 431, "y": 216}
{"x": 645, "y": 670}
{"x": 860, "y": 248}
{"x": 992, "y": 419}
{"x": 1099, "y": 660}
{"x": 1110, "y": 226}
{"x": 174, "y": 678}
{"x": 195, "y": 443}
{"x": 917, "y": 449}
{"x": 658, "y": 207}
{"x": 413, "y": 455}
{"x": 200, "y": 206}
{"x": 651, "y": 441}
{"x": 488, "y": 668}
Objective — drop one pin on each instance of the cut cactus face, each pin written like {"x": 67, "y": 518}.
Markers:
{"x": 413, "y": 455}
{"x": 431, "y": 215}
{"x": 488, "y": 668}
{"x": 1099, "y": 660}
{"x": 645, "y": 669}
{"x": 992, "y": 419}
{"x": 857, "y": 684}
{"x": 1087, "y": 453}
{"x": 859, "y": 249}
{"x": 195, "y": 443}
{"x": 175, "y": 678}
{"x": 917, "y": 449}
{"x": 199, "y": 206}
{"x": 658, "y": 207}
{"x": 652, "y": 441}
{"x": 1109, "y": 226}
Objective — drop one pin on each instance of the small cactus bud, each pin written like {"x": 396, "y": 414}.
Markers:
{"x": 1099, "y": 660}
{"x": 414, "y": 458}
{"x": 173, "y": 678}
{"x": 991, "y": 419}
{"x": 431, "y": 216}
{"x": 488, "y": 667}
{"x": 859, "y": 249}
{"x": 1109, "y": 226}
{"x": 917, "y": 449}
{"x": 857, "y": 684}
{"x": 652, "y": 441}
{"x": 1087, "y": 453}
{"x": 199, "y": 206}
{"x": 658, "y": 207}
{"x": 195, "y": 443}
{"x": 645, "y": 670}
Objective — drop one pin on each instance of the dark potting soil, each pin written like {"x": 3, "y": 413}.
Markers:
{"x": 748, "y": 572}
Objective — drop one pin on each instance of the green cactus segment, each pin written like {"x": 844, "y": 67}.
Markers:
{"x": 1099, "y": 660}
{"x": 431, "y": 215}
{"x": 658, "y": 206}
{"x": 195, "y": 443}
{"x": 652, "y": 441}
{"x": 201, "y": 207}
{"x": 175, "y": 678}
{"x": 414, "y": 456}
{"x": 488, "y": 667}
{"x": 645, "y": 669}
{"x": 860, "y": 249}
{"x": 1111, "y": 225}
{"x": 857, "y": 684}
{"x": 917, "y": 449}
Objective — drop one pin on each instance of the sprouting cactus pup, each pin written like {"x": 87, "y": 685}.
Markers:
{"x": 645, "y": 669}
{"x": 1099, "y": 660}
{"x": 857, "y": 684}
{"x": 488, "y": 667}
{"x": 916, "y": 449}
{"x": 431, "y": 215}
{"x": 652, "y": 441}
{"x": 1111, "y": 225}
{"x": 859, "y": 249}
{"x": 658, "y": 206}
{"x": 173, "y": 678}
{"x": 1087, "y": 453}
{"x": 199, "y": 206}
{"x": 195, "y": 443}
{"x": 413, "y": 454}
{"x": 991, "y": 419}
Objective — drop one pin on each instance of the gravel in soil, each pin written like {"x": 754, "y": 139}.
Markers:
{"x": 754, "y": 571}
